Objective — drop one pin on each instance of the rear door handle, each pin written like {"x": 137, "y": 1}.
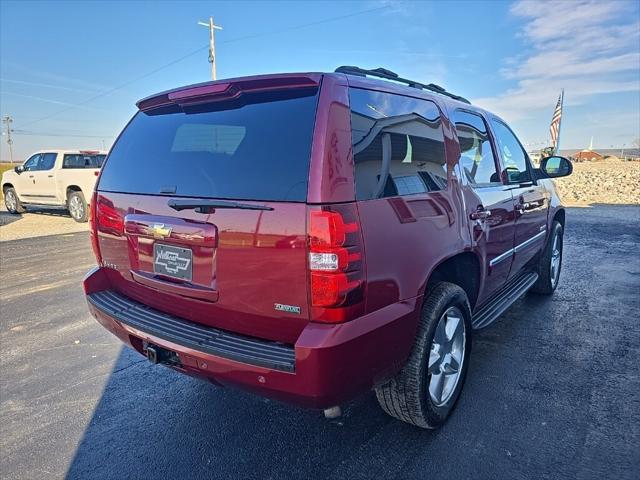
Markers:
{"x": 480, "y": 214}
{"x": 50, "y": 176}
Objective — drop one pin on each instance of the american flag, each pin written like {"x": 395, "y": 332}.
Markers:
{"x": 554, "y": 129}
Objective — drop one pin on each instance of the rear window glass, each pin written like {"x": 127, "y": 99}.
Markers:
{"x": 255, "y": 150}
{"x": 82, "y": 161}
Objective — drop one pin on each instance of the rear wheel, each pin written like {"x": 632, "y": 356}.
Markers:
{"x": 550, "y": 262}
{"x": 425, "y": 391}
{"x": 77, "y": 206}
{"x": 12, "y": 202}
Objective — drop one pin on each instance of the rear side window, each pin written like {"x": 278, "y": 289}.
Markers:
{"x": 72, "y": 160}
{"x": 398, "y": 145}
{"x": 254, "y": 149}
{"x": 476, "y": 155}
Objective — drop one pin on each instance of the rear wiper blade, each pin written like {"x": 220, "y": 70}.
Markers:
{"x": 208, "y": 206}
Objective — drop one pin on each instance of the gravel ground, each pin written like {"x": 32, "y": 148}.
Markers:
{"x": 605, "y": 182}
{"x": 553, "y": 390}
{"x": 37, "y": 222}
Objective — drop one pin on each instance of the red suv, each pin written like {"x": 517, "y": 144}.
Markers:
{"x": 312, "y": 236}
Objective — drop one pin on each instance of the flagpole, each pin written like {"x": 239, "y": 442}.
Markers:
{"x": 560, "y": 121}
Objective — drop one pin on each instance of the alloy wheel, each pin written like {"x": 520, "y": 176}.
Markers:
{"x": 75, "y": 207}
{"x": 11, "y": 201}
{"x": 446, "y": 356}
{"x": 556, "y": 258}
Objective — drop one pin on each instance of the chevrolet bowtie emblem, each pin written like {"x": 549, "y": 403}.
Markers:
{"x": 160, "y": 230}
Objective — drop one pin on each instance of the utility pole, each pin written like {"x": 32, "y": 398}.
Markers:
{"x": 8, "y": 121}
{"x": 212, "y": 44}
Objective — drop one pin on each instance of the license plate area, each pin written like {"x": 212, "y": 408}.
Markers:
{"x": 172, "y": 261}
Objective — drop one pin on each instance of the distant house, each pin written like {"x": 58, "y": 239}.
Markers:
{"x": 587, "y": 156}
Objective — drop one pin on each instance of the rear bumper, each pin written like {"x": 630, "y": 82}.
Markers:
{"x": 328, "y": 365}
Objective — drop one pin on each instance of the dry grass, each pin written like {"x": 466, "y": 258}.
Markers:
{"x": 3, "y": 168}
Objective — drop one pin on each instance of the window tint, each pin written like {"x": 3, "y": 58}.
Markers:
{"x": 401, "y": 132}
{"x": 476, "y": 155}
{"x": 47, "y": 161}
{"x": 32, "y": 164}
{"x": 78, "y": 160}
{"x": 257, "y": 148}
{"x": 513, "y": 156}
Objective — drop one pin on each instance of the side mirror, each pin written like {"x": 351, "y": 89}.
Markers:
{"x": 556, "y": 166}
{"x": 19, "y": 169}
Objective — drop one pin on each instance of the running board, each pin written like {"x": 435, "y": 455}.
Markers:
{"x": 512, "y": 292}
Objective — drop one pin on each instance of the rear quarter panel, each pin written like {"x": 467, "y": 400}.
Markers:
{"x": 331, "y": 167}
{"x": 84, "y": 178}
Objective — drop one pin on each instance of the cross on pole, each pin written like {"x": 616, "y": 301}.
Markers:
{"x": 212, "y": 44}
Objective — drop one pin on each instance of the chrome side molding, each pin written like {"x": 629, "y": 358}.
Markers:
{"x": 518, "y": 248}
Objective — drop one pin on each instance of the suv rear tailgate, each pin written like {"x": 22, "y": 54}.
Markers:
{"x": 244, "y": 262}
{"x": 239, "y": 265}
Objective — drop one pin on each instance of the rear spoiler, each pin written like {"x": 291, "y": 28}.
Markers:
{"x": 227, "y": 89}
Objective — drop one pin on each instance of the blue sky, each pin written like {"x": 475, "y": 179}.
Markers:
{"x": 510, "y": 57}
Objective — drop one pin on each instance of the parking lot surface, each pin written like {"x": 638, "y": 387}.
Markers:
{"x": 37, "y": 222}
{"x": 553, "y": 389}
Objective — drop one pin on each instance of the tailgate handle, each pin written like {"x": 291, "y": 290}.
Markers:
{"x": 209, "y": 206}
{"x": 184, "y": 290}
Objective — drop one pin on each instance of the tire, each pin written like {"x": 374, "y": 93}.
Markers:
{"x": 408, "y": 395}
{"x": 550, "y": 263}
{"x": 12, "y": 202}
{"x": 77, "y": 206}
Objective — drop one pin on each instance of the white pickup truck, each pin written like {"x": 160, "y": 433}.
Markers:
{"x": 54, "y": 177}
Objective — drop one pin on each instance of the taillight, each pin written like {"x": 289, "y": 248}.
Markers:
{"x": 93, "y": 227}
{"x": 104, "y": 217}
{"x": 109, "y": 218}
{"x": 335, "y": 263}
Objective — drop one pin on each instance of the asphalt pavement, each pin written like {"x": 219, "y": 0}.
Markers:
{"x": 553, "y": 389}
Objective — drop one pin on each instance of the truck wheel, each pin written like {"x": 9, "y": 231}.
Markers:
{"x": 12, "y": 202}
{"x": 425, "y": 391}
{"x": 550, "y": 263}
{"x": 77, "y": 206}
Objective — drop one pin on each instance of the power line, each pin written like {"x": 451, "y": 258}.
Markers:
{"x": 304, "y": 25}
{"x": 194, "y": 52}
{"x": 40, "y": 134}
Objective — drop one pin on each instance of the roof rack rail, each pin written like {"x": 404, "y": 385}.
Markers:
{"x": 389, "y": 75}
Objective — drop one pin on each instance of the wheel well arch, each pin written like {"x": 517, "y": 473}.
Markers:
{"x": 462, "y": 269}
{"x": 5, "y": 186}
{"x": 73, "y": 188}
{"x": 560, "y": 217}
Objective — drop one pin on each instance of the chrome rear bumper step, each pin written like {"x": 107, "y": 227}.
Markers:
{"x": 503, "y": 300}
{"x": 263, "y": 353}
